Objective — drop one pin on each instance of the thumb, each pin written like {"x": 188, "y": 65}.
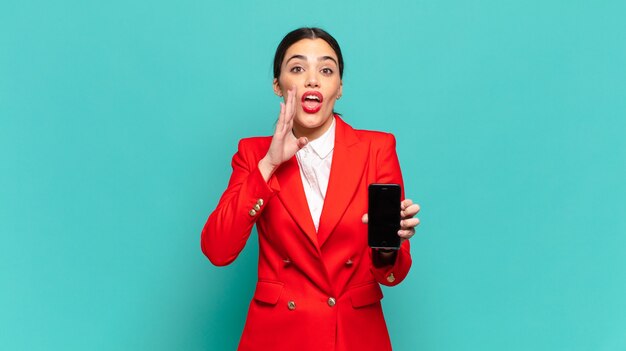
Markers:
{"x": 365, "y": 219}
{"x": 302, "y": 142}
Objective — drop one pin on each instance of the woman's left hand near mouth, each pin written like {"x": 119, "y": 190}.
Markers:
{"x": 284, "y": 145}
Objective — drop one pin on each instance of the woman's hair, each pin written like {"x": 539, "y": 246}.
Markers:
{"x": 305, "y": 33}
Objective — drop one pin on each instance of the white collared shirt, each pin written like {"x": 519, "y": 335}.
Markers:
{"x": 314, "y": 160}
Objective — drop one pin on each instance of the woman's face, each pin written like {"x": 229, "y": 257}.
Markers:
{"x": 310, "y": 65}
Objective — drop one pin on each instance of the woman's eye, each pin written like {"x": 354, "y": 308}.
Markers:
{"x": 297, "y": 69}
{"x": 327, "y": 71}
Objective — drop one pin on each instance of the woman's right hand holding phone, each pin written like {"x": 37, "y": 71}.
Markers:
{"x": 284, "y": 144}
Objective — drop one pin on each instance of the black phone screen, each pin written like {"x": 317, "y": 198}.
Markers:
{"x": 384, "y": 216}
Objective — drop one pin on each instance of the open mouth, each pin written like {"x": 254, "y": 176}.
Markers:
{"x": 312, "y": 101}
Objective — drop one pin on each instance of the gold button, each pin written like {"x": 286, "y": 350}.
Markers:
{"x": 391, "y": 278}
{"x": 252, "y": 213}
{"x": 257, "y": 207}
{"x": 291, "y": 305}
{"x": 259, "y": 202}
{"x": 331, "y": 301}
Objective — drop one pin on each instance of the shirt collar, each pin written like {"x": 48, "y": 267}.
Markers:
{"x": 323, "y": 145}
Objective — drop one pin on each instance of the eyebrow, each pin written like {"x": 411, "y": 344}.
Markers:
{"x": 321, "y": 58}
{"x": 324, "y": 58}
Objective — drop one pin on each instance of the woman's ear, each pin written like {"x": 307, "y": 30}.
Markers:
{"x": 276, "y": 86}
{"x": 340, "y": 92}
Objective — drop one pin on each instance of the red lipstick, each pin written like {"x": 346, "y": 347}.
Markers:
{"x": 312, "y": 101}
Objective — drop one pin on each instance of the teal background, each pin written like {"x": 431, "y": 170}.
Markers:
{"x": 119, "y": 119}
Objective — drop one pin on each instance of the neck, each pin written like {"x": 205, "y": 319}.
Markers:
{"x": 312, "y": 133}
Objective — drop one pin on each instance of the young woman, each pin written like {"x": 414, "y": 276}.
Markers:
{"x": 305, "y": 188}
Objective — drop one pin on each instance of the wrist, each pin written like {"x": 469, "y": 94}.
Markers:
{"x": 383, "y": 257}
{"x": 266, "y": 168}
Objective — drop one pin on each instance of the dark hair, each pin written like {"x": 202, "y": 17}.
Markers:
{"x": 305, "y": 33}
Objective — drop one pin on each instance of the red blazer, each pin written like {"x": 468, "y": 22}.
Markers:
{"x": 315, "y": 291}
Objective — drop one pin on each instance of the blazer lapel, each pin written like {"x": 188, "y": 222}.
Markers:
{"x": 346, "y": 171}
{"x": 295, "y": 202}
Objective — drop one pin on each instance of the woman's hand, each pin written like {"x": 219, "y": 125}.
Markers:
{"x": 408, "y": 221}
{"x": 408, "y": 210}
{"x": 284, "y": 145}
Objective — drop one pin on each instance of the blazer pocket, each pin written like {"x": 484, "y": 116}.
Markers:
{"x": 366, "y": 295}
{"x": 268, "y": 292}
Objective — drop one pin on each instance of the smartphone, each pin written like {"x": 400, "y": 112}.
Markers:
{"x": 383, "y": 216}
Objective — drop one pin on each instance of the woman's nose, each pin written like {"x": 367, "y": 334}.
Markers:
{"x": 311, "y": 81}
